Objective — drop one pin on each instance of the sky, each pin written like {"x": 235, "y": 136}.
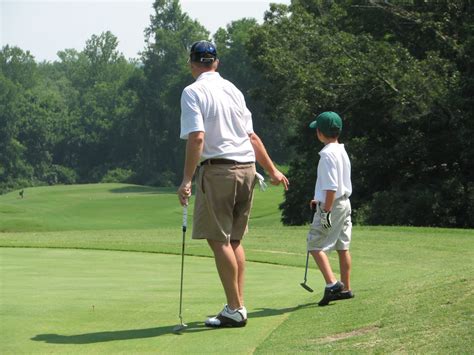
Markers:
{"x": 45, "y": 27}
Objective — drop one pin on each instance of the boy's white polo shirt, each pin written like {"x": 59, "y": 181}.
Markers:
{"x": 215, "y": 106}
{"x": 334, "y": 172}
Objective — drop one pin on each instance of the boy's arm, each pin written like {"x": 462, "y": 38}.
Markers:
{"x": 330, "y": 197}
{"x": 326, "y": 213}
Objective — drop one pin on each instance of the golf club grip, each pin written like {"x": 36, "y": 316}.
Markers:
{"x": 185, "y": 218}
{"x": 313, "y": 211}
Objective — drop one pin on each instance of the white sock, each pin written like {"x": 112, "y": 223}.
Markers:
{"x": 331, "y": 285}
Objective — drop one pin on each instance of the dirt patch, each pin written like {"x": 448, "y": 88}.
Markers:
{"x": 342, "y": 336}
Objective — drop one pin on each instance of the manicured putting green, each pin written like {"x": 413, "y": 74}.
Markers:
{"x": 82, "y": 301}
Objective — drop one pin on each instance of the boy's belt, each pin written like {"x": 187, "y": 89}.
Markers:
{"x": 223, "y": 161}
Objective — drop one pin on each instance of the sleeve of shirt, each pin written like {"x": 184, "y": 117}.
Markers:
{"x": 191, "y": 116}
{"x": 329, "y": 179}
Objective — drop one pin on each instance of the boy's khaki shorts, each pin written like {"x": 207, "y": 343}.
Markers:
{"x": 224, "y": 194}
{"x": 338, "y": 237}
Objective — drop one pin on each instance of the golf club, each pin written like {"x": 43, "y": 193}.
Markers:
{"x": 303, "y": 284}
{"x": 182, "y": 325}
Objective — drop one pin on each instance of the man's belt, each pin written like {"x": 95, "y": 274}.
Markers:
{"x": 223, "y": 161}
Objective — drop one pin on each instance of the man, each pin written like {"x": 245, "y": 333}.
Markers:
{"x": 220, "y": 139}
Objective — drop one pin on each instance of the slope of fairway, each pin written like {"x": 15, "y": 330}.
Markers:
{"x": 414, "y": 286}
{"x": 107, "y": 206}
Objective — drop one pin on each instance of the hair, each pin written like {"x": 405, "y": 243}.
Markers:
{"x": 333, "y": 134}
{"x": 209, "y": 62}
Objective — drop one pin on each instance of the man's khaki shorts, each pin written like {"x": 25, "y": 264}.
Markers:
{"x": 338, "y": 237}
{"x": 224, "y": 194}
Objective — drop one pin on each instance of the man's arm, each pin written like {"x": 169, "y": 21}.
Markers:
{"x": 276, "y": 177}
{"x": 194, "y": 147}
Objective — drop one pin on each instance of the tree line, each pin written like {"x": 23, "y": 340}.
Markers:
{"x": 400, "y": 73}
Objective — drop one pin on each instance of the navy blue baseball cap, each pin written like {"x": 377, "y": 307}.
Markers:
{"x": 203, "y": 51}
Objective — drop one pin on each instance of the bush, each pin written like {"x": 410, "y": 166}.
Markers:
{"x": 164, "y": 179}
{"x": 59, "y": 174}
{"x": 441, "y": 205}
{"x": 118, "y": 175}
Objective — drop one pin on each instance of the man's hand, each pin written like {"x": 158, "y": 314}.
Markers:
{"x": 325, "y": 219}
{"x": 278, "y": 178}
{"x": 184, "y": 192}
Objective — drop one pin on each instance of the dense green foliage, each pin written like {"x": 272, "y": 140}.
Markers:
{"x": 401, "y": 78}
{"x": 399, "y": 73}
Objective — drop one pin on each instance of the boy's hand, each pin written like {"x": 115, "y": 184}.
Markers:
{"x": 325, "y": 219}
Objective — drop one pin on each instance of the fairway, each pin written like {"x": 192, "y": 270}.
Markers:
{"x": 95, "y": 269}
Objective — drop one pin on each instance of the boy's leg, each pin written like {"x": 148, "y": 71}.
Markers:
{"x": 332, "y": 285}
{"x": 345, "y": 263}
{"x": 322, "y": 261}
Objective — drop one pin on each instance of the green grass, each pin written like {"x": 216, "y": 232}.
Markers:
{"x": 72, "y": 301}
{"x": 66, "y": 288}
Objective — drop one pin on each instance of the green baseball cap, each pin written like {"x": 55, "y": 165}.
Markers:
{"x": 328, "y": 123}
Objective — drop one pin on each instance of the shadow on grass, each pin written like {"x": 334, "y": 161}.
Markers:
{"x": 102, "y": 337}
{"x": 270, "y": 312}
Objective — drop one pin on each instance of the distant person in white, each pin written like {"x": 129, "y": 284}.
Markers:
{"x": 220, "y": 139}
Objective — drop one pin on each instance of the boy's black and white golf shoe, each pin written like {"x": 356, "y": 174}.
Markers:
{"x": 345, "y": 295}
{"x": 228, "y": 318}
{"x": 330, "y": 293}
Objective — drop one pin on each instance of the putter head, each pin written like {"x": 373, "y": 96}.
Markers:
{"x": 306, "y": 287}
{"x": 180, "y": 327}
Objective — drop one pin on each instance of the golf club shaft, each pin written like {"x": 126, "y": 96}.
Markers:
{"x": 306, "y": 268}
{"x": 185, "y": 222}
{"x": 313, "y": 211}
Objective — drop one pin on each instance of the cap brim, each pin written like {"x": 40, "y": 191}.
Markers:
{"x": 313, "y": 124}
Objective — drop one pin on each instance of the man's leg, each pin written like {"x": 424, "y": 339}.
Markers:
{"x": 239, "y": 253}
{"x": 227, "y": 267}
{"x": 323, "y": 263}
{"x": 345, "y": 263}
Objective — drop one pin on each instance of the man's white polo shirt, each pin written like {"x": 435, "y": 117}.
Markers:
{"x": 215, "y": 106}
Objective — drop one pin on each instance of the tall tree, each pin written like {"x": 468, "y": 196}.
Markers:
{"x": 19, "y": 110}
{"x": 236, "y": 65}
{"x": 166, "y": 73}
{"x": 98, "y": 132}
{"x": 393, "y": 103}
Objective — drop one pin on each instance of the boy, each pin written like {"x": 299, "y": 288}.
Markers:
{"x": 331, "y": 226}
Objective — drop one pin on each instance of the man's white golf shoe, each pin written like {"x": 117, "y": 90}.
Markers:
{"x": 228, "y": 318}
